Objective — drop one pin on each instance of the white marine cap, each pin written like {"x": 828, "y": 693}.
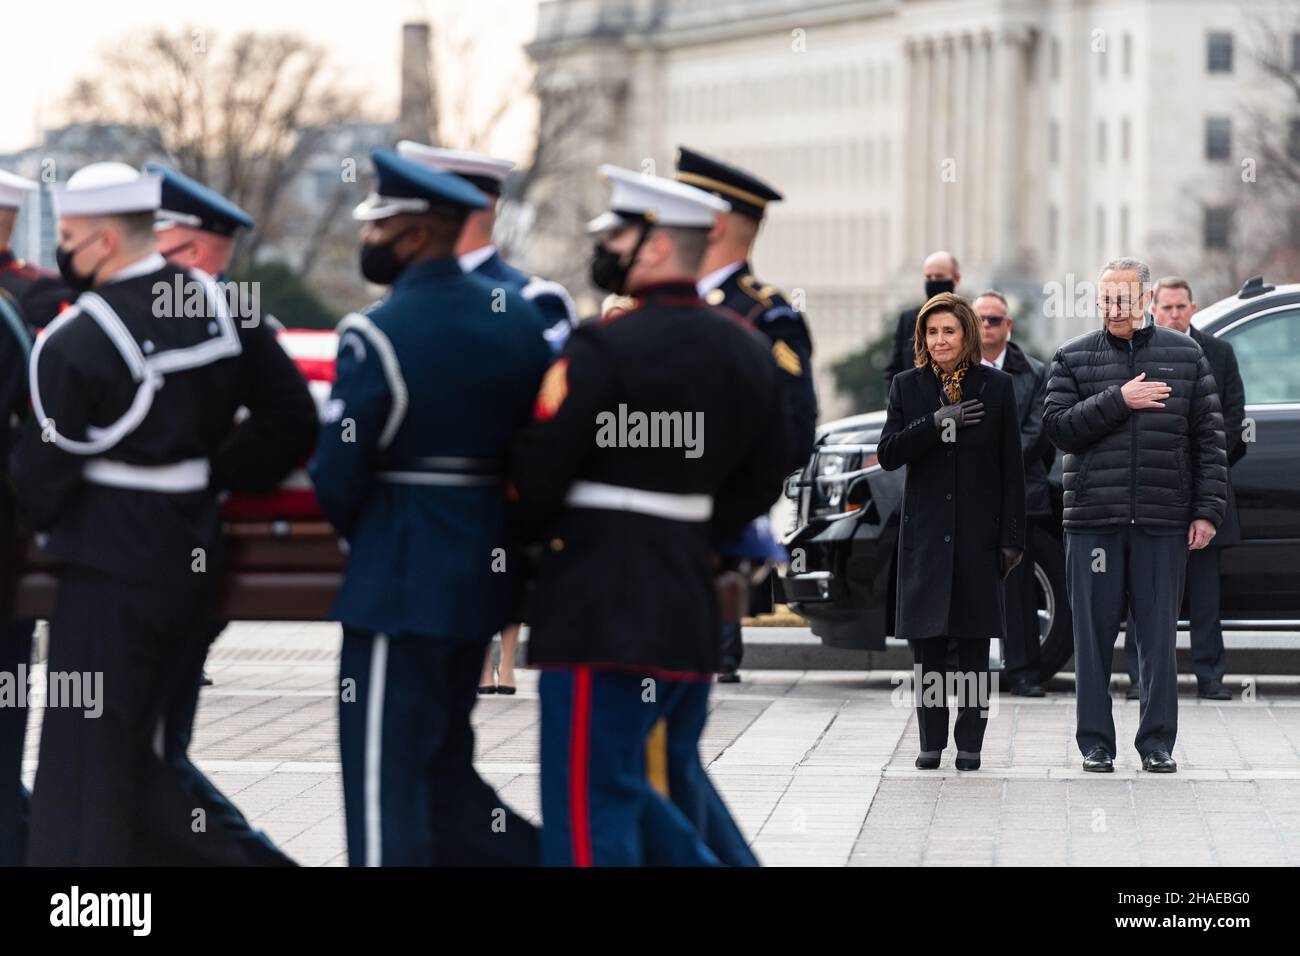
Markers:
{"x": 485, "y": 172}
{"x": 13, "y": 189}
{"x": 107, "y": 189}
{"x": 638, "y": 197}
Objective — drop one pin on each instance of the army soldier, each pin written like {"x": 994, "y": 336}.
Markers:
{"x": 432, "y": 384}
{"x": 478, "y": 255}
{"x": 727, "y": 280}
{"x": 40, "y": 294}
{"x": 196, "y": 228}
{"x": 131, "y": 438}
{"x": 658, "y": 433}
{"x": 15, "y": 634}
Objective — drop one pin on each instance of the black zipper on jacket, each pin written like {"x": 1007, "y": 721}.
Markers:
{"x": 1133, "y": 443}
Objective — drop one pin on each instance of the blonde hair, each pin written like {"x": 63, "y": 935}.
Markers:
{"x": 970, "y": 327}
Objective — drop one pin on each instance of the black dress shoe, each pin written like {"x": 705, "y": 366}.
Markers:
{"x": 506, "y": 689}
{"x": 1159, "y": 761}
{"x": 1132, "y": 693}
{"x": 488, "y": 689}
{"x": 1215, "y": 691}
{"x": 968, "y": 762}
{"x": 928, "y": 761}
{"x": 729, "y": 677}
{"x": 1098, "y": 761}
{"x": 206, "y": 681}
{"x": 1027, "y": 688}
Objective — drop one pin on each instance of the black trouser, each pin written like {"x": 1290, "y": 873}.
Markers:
{"x": 15, "y": 654}
{"x": 103, "y": 794}
{"x": 1209, "y": 661}
{"x": 972, "y": 681}
{"x": 178, "y": 730}
{"x": 1107, "y": 572}
{"x": 731, "y": 647}
{"x": 1022, "y": 646}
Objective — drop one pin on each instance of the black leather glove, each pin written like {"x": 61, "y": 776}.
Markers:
{"x": 965, "y": 414}
{"x": 1009, "y": 559}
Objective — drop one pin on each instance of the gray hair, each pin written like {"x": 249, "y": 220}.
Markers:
{"x": 1128, "y": 264}
{"x": 992, "y": 294}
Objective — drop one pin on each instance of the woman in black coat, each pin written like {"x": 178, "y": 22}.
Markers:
{"x": 954, "y": 423}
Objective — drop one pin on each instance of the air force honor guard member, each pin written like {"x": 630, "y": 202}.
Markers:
{"x": 432, "y": 384}
{"x": 196, "y": 228}
{"x": 131, "y": 439}
{"x": 625, "y": 610}
{"x": 727, "y": 280}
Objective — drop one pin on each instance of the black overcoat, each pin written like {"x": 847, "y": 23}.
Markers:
{"x": 962, "y": 501}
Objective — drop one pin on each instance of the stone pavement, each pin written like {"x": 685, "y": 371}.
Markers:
{"x": 816, "y": 766}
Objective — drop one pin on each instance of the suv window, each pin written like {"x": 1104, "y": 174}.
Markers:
{"x": 1268, "y": 352}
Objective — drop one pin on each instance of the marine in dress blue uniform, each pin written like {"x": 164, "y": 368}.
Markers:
{"x": 196, "y": 225}
{"x": 432, "y": 384}
{"x": 624, "y": 618}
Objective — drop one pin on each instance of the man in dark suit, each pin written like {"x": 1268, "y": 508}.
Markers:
{"x": 1174, "y": 309}
{"x": 1029, "y": 376}
{"x": 941, "y": 275}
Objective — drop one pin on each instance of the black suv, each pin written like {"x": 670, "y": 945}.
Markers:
{"x": 843, "y": 550}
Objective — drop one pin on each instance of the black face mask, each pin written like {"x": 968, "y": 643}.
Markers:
{"x": 934, "y": 286}
{"x": 609, "y": 271}
{"x": 379, "y": 263}
{"x": 63, "y": 258}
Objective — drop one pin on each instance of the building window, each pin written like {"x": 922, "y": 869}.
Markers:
{"x": 1053, "y": 142}
{"x": 1218, "y": 53}
{"x": 1295, "y": 53}
{"x": 1128, "y": 54}
{"x": 1125, "y": 139}
{"x": 1054, "y": 60}
{"x": 1101, "y": 63}
{"x": 1218, "y": 138}
{"x": 1053, "y": 227}
{"x": 1295, "y": 228}
{"x": 1101, "y": 229}
{"x": 1123, "y": 228}
{"x": 1293, "y": 141}
{"x": 1101, "y": 141}
{"x": 1218, "y": 226}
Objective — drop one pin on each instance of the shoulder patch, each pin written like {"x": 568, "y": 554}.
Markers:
{"x": 787, "y": 358}
{"x": 757, "y": 290}
{"x": 554, "y": 390}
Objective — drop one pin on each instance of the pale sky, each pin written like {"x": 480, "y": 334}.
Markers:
{"x": 44, "y": 46}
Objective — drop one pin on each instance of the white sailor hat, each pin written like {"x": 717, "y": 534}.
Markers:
{"x": 107, "y": 189}
{"x": 639, "y": 197}
{"x": 13, "y": 189}
{"x": 485, "y": 172}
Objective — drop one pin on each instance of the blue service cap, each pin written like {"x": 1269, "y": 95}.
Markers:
{"x": 402, "y": 186}
{"x": 186, "y": 202}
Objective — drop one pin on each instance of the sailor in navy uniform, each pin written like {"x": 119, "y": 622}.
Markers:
{"x": 15, "y": 634}
{"x": 131, "y": 438}
{"x": 196, "y": 228}
{"x": 726, "y": 280}
{"x": 625, "y": 612}
{"x": 475, "y": 249}
{"x": 478, "y": 255}
{"x": 39, "y": 293}
{"x": 432, "y": 384}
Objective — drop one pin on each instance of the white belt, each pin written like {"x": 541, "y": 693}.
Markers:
{"x": 445, "y": 478}
{"x": 190, "y": 475}
{"x": 657, "y": 504}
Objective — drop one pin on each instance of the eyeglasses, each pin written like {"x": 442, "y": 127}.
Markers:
{"x": 992, "y": 319}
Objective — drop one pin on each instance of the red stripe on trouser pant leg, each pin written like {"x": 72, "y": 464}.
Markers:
{"x": 579, "y": 765}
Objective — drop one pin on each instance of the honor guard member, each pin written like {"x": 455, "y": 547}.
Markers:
{"x": 625, "y": 610}
{"x": 727, "y": 280}
{"x": 478, "y": 255}
{"x": 432, "y": 384}
{"x": 475, "y": 250}
{"x": 15, "y": 634}
{"x": 196, "y": 228}
{"x": 40, "y": 294}
{"x": 131, "y": 439}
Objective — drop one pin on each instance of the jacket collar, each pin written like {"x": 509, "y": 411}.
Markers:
{"x": 1140, "y": 338}
{"x": 428, "y": 269}
{"x": 1015, "y": 360}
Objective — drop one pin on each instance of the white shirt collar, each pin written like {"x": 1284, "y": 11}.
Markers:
{"x": 141, "y": 267}
{"x": 997, "y": 362}
{"x": 472, "y": 260}
{"x": 718, "y": 276}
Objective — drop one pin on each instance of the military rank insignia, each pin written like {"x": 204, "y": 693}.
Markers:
{"x": 787, "y": 358}
{"x": 554, "y": 390}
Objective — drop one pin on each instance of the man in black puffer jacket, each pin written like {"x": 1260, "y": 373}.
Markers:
{"x": 1136, "y": 411}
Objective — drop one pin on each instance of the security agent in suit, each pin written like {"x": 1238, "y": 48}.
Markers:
{"x": 1029, "y": 376}
{"x": 132, "y": 438}
{"x": 16, "y": 280}
{"x": 196, "y": 228}
{"x": 727, "y": 281}
{"x": 624, "y": 616}
{"x": 941, "y": 275}
{"x": 1173, "y": 308}
{"x": 478, "y": 255}
{"x": 432, "y": 384}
